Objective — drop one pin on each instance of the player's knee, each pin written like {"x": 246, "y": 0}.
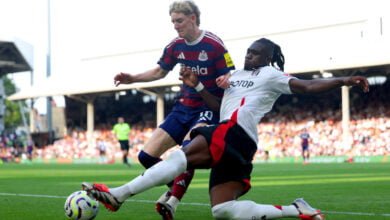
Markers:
{"x": 223, "y": 210}
{"x": 179, "y": 158}
{"x": 147, "y": 160}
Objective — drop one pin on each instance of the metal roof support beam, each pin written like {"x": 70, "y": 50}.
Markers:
{"x": 345, "y": 117}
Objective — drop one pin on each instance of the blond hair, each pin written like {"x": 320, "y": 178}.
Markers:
{"x": 187, "y": 7}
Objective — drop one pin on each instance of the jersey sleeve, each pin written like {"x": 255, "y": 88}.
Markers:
{"x": 280, "y": 81}
{"x": 223, "y": 60}
{"x": 167, "y": 60}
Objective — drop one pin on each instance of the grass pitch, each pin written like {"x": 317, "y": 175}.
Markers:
{"x": 343, "y": 191}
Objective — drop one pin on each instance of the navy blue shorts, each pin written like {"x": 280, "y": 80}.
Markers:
{"x": 182, "y": 119}
{"x": 124, "y": 144}
{"x": 232, "y": 151}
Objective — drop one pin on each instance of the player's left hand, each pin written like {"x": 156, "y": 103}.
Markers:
{"x": 360, "y": 81}
{"x": 188, "y": 77}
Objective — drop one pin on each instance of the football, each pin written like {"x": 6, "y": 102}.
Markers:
{"x": 80, "y": 206}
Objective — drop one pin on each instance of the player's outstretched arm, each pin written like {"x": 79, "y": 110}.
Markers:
{"x": 323, "y": 85}
{"x": 150, "y": 75}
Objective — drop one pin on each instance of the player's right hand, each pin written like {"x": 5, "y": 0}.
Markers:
{"x": 122, "y": 78}
{"x": 360, "y": 81}
{"x": 223, "y": 81}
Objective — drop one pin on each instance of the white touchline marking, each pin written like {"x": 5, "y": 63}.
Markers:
{"x": 188, "y": 203}
{"x": 357, "y": 213}
{"x": 64, "y": 197}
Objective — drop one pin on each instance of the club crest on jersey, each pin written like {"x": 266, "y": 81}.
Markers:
{"x": 203, "y": 56}
{"x": 256, "y": 72}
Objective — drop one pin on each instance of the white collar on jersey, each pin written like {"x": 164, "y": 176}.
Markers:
{"x": 197, "y": 40}
{"x": 255, "y": 72}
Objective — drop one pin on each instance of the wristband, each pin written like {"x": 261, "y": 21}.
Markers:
{"x": 199, "y": 87}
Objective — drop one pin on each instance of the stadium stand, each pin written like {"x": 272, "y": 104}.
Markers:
{"x": 370, "y": 131}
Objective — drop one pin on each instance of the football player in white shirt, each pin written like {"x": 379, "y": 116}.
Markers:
{"x": 228, "y": 147}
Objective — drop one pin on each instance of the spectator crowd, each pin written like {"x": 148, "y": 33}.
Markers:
{"x": 279, "y": 133}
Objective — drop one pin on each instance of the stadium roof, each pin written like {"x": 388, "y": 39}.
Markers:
{"x": 12, "y": 58}
{"x": 83, "y": 85}
{"x": 304, "y": 49}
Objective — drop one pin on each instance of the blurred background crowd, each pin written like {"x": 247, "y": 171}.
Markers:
{"x": 279, "y": 132}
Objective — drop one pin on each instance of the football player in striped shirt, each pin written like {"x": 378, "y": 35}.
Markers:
{"x": 206, "y": 55}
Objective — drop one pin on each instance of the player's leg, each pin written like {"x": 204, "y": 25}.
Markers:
{"x": 162, "y": 173}
{"x": 158, "y": 143}
{"x": 167, "y": 135}
{"x": 229, "y": 181}
{"x": 125, "y": 153}
{"x": 226, "y": 206}
{"x": 198, "y": 156}
{"x": 305, "y": 154}
{"x": 178, "y": 188}
{"x": 182, "y": 182}
{"x": 156, "y": 146}
{"x": 125, "y": 150}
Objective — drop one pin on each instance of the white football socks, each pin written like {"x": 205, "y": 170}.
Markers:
{"x": 251, "y": 210}
{"x": 159, "y": 174}
{"x": 173, "y": 202}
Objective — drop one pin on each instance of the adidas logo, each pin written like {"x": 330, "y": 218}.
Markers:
{"x": 181, "y": 183}
{"x": 181, "y": 56}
